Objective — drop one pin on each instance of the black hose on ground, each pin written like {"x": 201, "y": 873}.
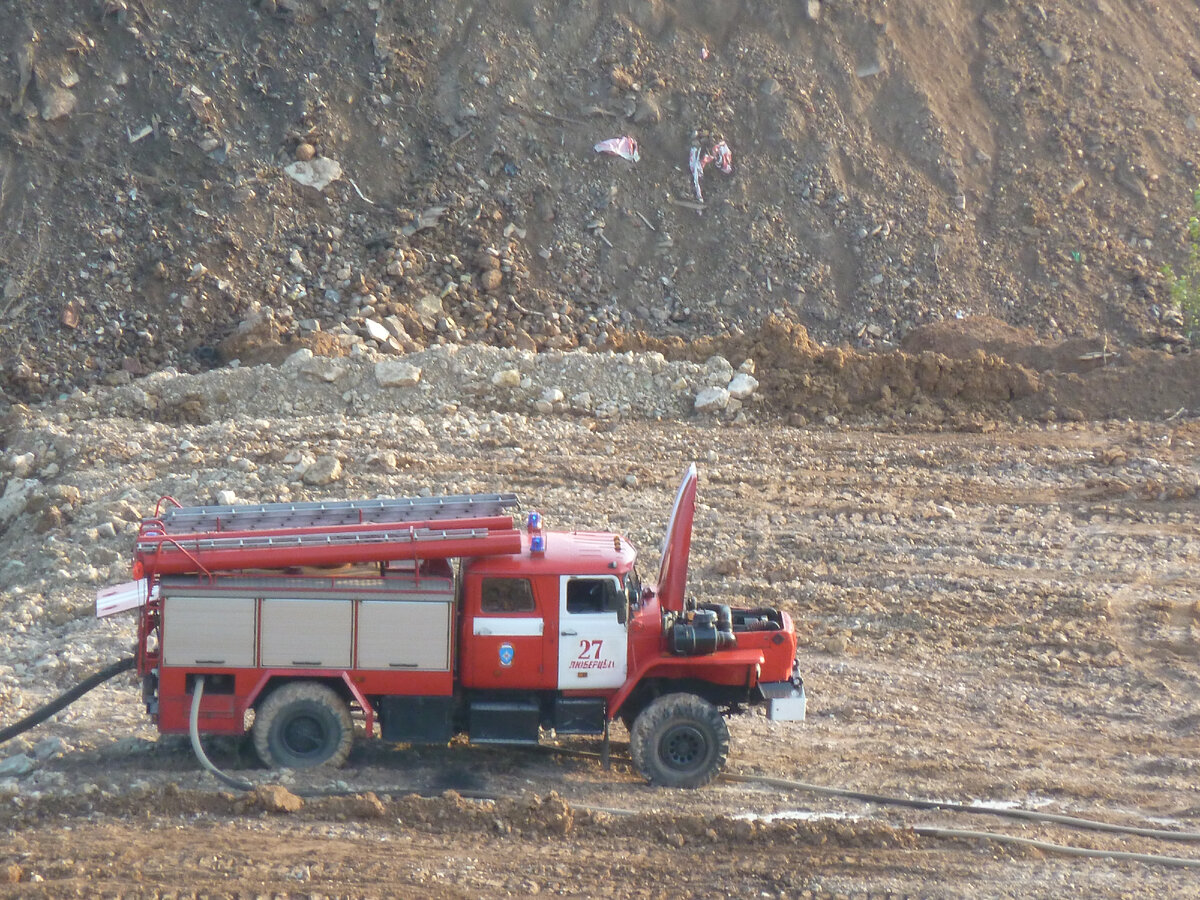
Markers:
{"x": 67, "y": 698}
{"x": 1153, "y": 859}
{"x": 1003, "y": 812}
{"x": 934, "y": 805}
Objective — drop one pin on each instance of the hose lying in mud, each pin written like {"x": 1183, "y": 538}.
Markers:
{"x": 965, "y": 834}
{"x": 96, "y": 679}
{"x": 1024, "y": 814}
{"x": 1062, "y": 849}
{"x": 999, "y": 837}
{"x": 67, "y": 698}
{"x": 932, "y": 831}
{"x": 194, "y": 730}
{"x": 938, "y": 805}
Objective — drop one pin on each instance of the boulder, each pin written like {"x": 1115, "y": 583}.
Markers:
{"x": 324, "y": 470}
{"x": 742, "y": 386}
{"x": 397, "y": 373}
{"x": 712, "y": 399}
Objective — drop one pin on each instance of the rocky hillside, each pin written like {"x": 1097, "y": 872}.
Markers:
{"x": 189, "y": 183}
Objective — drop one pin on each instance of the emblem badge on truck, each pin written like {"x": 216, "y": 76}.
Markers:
{"x": 506, "y": 655}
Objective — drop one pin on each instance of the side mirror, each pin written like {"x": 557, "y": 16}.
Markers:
{"x": 615, "y": 601}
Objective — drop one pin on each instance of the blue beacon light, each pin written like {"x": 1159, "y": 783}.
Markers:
{"x": 537, "y": 540}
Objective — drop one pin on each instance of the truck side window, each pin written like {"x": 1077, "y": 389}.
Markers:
{"x": 591, "y": 595}
{"x": 506, "y": 595}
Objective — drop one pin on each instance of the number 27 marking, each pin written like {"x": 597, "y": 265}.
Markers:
{"x": 590, "y": 647}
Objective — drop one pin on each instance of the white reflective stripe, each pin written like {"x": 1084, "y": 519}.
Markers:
{"x": 508, "y": 627}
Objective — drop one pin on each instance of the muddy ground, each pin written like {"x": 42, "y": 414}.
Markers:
{"x": 1000, "y": 618}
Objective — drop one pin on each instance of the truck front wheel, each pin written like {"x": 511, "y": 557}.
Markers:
{"x": 303, "y": 724}
{"x": 679, "y": 740}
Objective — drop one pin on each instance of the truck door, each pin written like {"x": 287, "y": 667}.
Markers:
{"x": 592, "y": 643}
{"x": 503, "y": 643}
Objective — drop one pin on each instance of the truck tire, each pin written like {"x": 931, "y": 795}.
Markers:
{"x": 679, "y": 740}
{"x": 303, "y": 724}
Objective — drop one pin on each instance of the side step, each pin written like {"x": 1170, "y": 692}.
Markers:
{"x": 505, "y": 721}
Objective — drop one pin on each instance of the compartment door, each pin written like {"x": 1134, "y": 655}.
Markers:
{"x": 208, "y": 631}
{"x": 399, "y": 634}
{"x": 306, "y": 634}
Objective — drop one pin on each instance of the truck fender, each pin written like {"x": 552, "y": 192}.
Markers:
{"x": 313, "y": 675}
{"x": 730, "y": 667}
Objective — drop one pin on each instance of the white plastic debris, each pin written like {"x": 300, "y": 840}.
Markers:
{"x": 624, "y": 147}
{"x": 314, "y": 173}
{"x": 697, "y": 170}
{"x": 721, "y": 155}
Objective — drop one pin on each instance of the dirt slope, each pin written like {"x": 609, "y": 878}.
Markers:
{"x": 893, "y": 165}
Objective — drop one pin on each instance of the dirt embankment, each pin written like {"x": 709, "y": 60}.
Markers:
{"x": 942, "y": 218}
{"x": 965, "y": 373}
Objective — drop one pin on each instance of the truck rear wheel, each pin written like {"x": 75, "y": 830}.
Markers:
{"x": 679, "y": 740}
{"x": 303, "y": 724}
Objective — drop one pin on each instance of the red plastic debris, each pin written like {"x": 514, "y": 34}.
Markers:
{"x": 723, "y": 157}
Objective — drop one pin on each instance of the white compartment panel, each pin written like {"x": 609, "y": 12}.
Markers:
{"x": 307, "y": 634}
{"x": 398, "y": 634}
{"x": 208, "y": 631}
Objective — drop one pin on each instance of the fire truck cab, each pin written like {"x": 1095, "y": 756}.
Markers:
{"x": 430, "y": 617}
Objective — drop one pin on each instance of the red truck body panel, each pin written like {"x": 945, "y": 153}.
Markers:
{"x": 522, "y": 637}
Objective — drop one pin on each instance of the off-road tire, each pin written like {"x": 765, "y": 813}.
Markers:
{"x": 679, "y": 740}
{"x": 301, "y": 725}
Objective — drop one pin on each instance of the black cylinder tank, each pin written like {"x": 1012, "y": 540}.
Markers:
{"x": 699, "y": 636}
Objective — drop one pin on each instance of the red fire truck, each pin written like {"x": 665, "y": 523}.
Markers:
{"x": 429, "y": 617}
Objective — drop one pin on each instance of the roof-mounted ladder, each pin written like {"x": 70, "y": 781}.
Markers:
{"x": 286, "y": 535}
{"x": 248, "y": 517}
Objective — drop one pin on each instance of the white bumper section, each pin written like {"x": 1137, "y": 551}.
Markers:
{"x": 785, "y": 701}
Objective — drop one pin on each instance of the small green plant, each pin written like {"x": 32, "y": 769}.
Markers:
{"x": 1185, "y": 287}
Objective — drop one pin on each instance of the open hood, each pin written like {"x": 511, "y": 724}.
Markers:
{"x": 677, "y": 543}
